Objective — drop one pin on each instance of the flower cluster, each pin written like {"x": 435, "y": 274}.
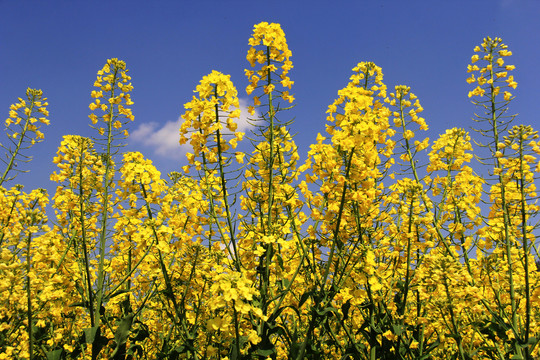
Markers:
{"x": 211, "y": 117}
{"x": 112, "y": 97}
{"x": 457, "y": 186}
{"x": 274, "y": 58}
{"x": 492, "y": 76}
{"x": 449, "y": 151}
{"x": 406, "y": 107}
{"x": 23, "y": 128}
{"x": 28, "y": 114}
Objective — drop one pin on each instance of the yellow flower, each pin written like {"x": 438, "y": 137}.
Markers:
{"x": 408, "y": 134}
{"x": 511, "y": 82}
{"x": 390, "y": 336}
{"x": 287, "y": 97}
{"x": 269, "y": 88}
{"x": 240, "y": 157}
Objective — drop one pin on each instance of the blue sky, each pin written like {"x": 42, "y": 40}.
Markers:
{"x": 58, "y": 46}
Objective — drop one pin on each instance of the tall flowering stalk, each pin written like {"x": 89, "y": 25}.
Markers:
{"x": 271, "y": 227}
{"x": 84, "y": 199}
{"x": 211, "y": 124}
{"x": 507, "y": 237}
{"x": 114, "y": 87}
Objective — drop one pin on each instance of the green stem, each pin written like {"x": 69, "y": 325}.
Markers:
{"x": 521, "y": 185}
{"x": 224, "y": 188}
{"x": 84, "y": 238}
{"x": 105, "y": 202}
{"x": 29, "y": 299}
{"x": 168, "y": 283}
{"x": 457, "y": 335}
{"x": 214, "y": 215}
{"x": 506, "y": 212}
{"x": 265, "y": 271}
{"x": 338, "y": 222}
{"x": 314, "y": 317}
{"x": 271, "y": 143}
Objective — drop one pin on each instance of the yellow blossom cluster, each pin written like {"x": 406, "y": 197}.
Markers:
{"x": 274, "y": 54}
{"x": 492, "y": 76}
{"x": 406, "y": 107}
{"x": 112, "y": 97}
{"x": 138, "y": 170}
{"x": 23, "y": 128}
{"x": 360, "y": 136}
{"x": 450, "y": 178}
{"x": 449, "y": 151}
{"x": 29, "y": 114}
{"x": 210, "y": 118}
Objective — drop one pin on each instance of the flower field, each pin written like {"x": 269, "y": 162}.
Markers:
{"x": 382, "y": 244}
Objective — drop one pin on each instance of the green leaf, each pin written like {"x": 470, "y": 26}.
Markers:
{"x": 397, "y": 329}
{"x": 121, "y": 334}
{"x": 140, "y": 331}
{"x": 264, "y": 352}
{"x": 93, "y": 336}
{"x": 54, "y": 354}
{"x": 116, "y": 293}
{"x": 280, "y": 261}
{"x": 123, "y": 329}
{"x": 345, "y": 309}
{"x": 327, "y": 310}
{"x": 90, "y": 334}
{"x": 135, "y": 349}
{"x": 304, "y": 298}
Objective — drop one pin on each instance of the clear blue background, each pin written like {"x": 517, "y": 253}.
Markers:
{"x": 58, "y": 46}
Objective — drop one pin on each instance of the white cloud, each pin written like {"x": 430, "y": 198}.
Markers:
{"x": 504, "y": 4}
{"x": 165, "y": 139}
{"x": 513, "y": 6}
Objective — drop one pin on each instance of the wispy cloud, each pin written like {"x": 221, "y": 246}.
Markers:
{"x": 506, "y": 5}
{"x": 164, "y": 139}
